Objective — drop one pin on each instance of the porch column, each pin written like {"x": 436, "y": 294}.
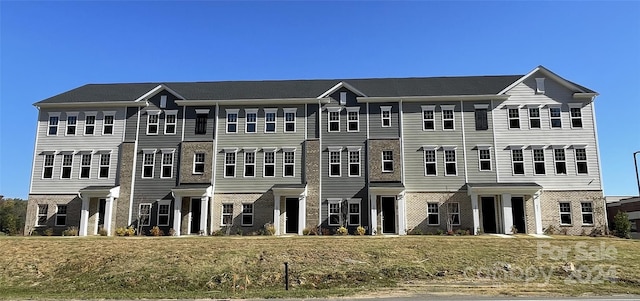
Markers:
{"x": 302, "y": 209}
{"x": 108, "y": 213}
{"x": 84, "y": 216}
{"x": 476, "y": 213}
{"x": 537, "y": 211}
{"x": 373, "y": 220}
{"x": 204, "y": 210}
{"x": 177, "y": 214}
{"x": 507, "y": 213}
{"x": 402, "y": 217}
{"x": 276, "y": 213}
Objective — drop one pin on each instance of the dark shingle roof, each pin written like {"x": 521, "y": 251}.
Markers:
{"x": 226, "y": 90}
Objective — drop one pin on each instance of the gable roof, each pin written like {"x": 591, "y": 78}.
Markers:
{"x": 548, "y": 73}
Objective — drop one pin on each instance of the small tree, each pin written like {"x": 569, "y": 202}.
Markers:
{"x": 622, "y": 224}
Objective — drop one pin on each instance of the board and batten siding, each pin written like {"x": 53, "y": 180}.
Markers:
{"x": 415, "y": 138}
{"x": 476, "y": 139}
{"x": 258, "y": 141}
{"x": 76, "y": 143}
{"x": 555, "y": 94}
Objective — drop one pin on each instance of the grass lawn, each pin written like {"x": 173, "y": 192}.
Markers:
{"x": 247, "y": 267}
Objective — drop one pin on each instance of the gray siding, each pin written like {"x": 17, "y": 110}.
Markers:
{"x": 376, "y": 130}
{"x": 474, "y": 138}
{"x": 313, "y": 129}
{"x": 131, "y": 124}
{"x": 190, "y": 124}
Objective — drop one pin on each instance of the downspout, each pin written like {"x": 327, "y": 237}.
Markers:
{"x": 35, "y": 149}
{"x": 464, "y": 143}
{"x": 495, "y": 146}
{"x": 319, "y": 163}
{"x": 404, "y": 200}
{"x": 597, "y": 148}
{"x": 133, "y": 173}
{"x": 214, "y": 159}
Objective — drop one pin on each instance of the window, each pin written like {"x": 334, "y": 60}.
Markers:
{"x": 514, "y": 118}
{"x": 565, "y": 213}
{"x": 334, "y": 213}
{"x": 72, "y": 120}
{"x": 170, "y": 120}
{"x": 353, "y": 122}
{"x": 334, "y": 121}
{"x": 53, "y": 125}
{"x": 289, "y": 163}
{"x": 428, "y": 120}
{"x": 61, "y": 215}
{"x": 163, "y": 213}
{"x": 448, "y": 117}
{"x": 247, "y": 214}
{"x": 517, "y": 161}
{"x": 482, "y": 122}
{"x": 334, "y": 163}
{"x": 587, "y": 213}
{"x": 576, "y": 118}
{"x": 67, "y": 163}
{"x": 581, "y": 161}
{"x": 47, "y": 172}
{"x": 232, "y": 121}
{"x": 450, "y": 165}
{"x": 269, "y": 164}
{"x": 556, "y": 117}
{"x": 201, "y": 123}
{"x": 290, "y": 120}
{"x": 107, "y": 123}
{"x": 354, "y": 163}
{"x": 229, "y": 164}
{"x": 385, "y": 113}
{"x": 153, "y": 122}
{"x": 85, "y": 166}
{"x": 251, "y": 120}
{"x": 42, "y": 214}
{"x": 198, "y": 163}
{"x": 354, "y": 212}
{"x": 270, "y": 120}
{"x": 167, "y": 164}
{"x": 343, "y": 98}
{"x": 484, "y": 155}
{"x": 227, "y": 214}
{"x": 144, "y": 214}
{"x": 249, "y": 164}
{"x": 560, "y": 161}
{"x": 534, "y": 118}
{"x": 148, "y": 160}
{"x": 387, "y": 161}
{"x": 105, "y": 162}
{"x": 430, "y": 162}
{"x": 433, "y": 216}
{"x": 454, "y": 213}
{"x": 538, "y": 161}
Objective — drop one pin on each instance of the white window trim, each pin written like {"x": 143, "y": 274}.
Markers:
{"x": 339, "y": 163}
{"x": 555, "y": 161}
{"x": 100, "y": 165}
{"x": 57, "y": 126}
{"x": 86, "y": 115}
{"x": 233, "y": 151}
{"x": 62, "y": 165}
{"x": 168, "y": 214}
{"x": 66, "y": 128}
{"x": 59, "y": 214}
{"x": 155, "y": 113}
{"x": 247, "y": 122}
{"x": 264, "y": 161}
{"x": 549, "y": 108}
{"x": 329, "y": 121}
{"x": 511, "y": 149}
{"x": 453, "y": 116}
{"x": 174, "y": 123}
{"x": 222, "y": 214}
{"x": 284, "y": 164}
{"x": 446, "y": 148}
{"x": 153, "y": 165}
{"x": 334, "y": 201}
{"x": 227, "y": 122}
{"x": 575, "y": 157}
{"x": 113, "y": 124}
{"x": 140, "y": 214}
{"x": 539, "y": 118}
{"x": 162, "y": 164}
{"x": 242, "y": 215}
{"x": 382, "y": 118}
{"x": 44, "y": 164}
{"x": 437, "y": 214}
{"x": 357, "y": 121}
{"x": 383, "y": 160}
{"x": 295, "y": 118}
{"x": 244, "y": 159}
{"x": 433, "y": 148}
{"x": 432, "y": 109}
{"x": 582, "y": 213}
{"x": 487, "y": 148}
{"x": 454, "y": 213}
{"x": 533, "y": 158}
{"x": 45, "y": 214}
{"x": 509, "y": 118}
{"x": 355, "y": 149}
{"x": 204, "y": 157}
{"x": 579, "y": 106}
{"x": 569, "y": 213}
{"x": 349, "y": 214}
{"x": 273, "y": 111}
{"x": 82, "y": 154}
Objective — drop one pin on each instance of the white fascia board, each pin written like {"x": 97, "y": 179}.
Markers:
{"x": 338, "y": 86}
{"x": 433, "y": 98}
{"x": 584, "y": 95}
{"x": 257, "y": 101}
{"x": 155, "y": 91}
{"x": 117, "y": 103}
{"x": 548, "y": 73}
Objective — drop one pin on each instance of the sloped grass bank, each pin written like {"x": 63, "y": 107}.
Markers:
{"x": 245, "y": 267}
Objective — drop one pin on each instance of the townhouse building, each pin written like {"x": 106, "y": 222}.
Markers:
{"x": 488, "y": 154}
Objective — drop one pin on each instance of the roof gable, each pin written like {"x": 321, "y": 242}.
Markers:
{"x": 546, "y": 72}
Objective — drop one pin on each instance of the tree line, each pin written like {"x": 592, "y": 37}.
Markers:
{"x": 13, "y": 213}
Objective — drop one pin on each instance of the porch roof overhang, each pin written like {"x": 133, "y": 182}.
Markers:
{"x": 100, "y": 191}
{"x": 192, "y": 190}
{"x": 499, "y": 188}
{"x": 289, "y": 189}
{"x": 390, "y": 188}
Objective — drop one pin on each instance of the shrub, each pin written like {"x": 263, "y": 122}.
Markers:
{"x": 219, "y": 232}
{"x": 622, "y": 225}
{"x": 551, "y": 230}
{"x": 361, "y": 230}
{"x": 269, "y": 229}
{"x": 439, "y": 232}
{"x": 48, "y": 232}
{"x": 172, "y": 232}
{"x": 102, "y": 232}
{"x": 71, "y": 231}
{"x": 155, "y": 231}
{"x": 121, "y": 231}
{"x": 514, "y": 230}
{"x": 342, "y": 231}
{"x": 415, "y": 231}
{"x": 479, "y": 231}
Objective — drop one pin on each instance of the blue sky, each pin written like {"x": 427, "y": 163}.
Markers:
{"x": 47, "y": 48}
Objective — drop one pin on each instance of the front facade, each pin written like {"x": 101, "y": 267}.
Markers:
{"x": 486, "y": 154}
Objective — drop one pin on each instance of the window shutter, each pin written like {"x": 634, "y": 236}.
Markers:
{"x": 481, "y": 119}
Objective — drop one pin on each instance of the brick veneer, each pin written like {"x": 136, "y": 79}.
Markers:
{"x": 262, "y": 210}
{"x": 376, "y": 146}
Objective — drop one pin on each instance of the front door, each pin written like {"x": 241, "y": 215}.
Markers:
{"x": 292, "y": 215}
{"x": 517, "y": 207}
{"x": 196, "y": 211}
{"x": 102, "y": 203}
{"x": 489, "y": 215}
{"x": 388, "y": 214}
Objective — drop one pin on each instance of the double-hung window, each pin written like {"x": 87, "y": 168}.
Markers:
{"x": 251, "y": 120}
{"x": 482, "y": 121}
{"x": 334, "y": 119}
{"x": 170, "y": 121}
{"x": 72, "y": 121}
{"x": 354, "y": 212}
{"x": 54, "y": 119}
{"x": 450, "y": 161}
{"x": 387, "y": 161}
{"x": 354, "y": 162}
{"x": 534, "y": 118}
{"x": 575, "y": 111}
{"x": 565, "y": 213}
{"x": 353, "y": 119}
{"x": 249, "y": 162}
{"x": 167, "y": 163}
{"x": 269, "y": 169}
{"x": 232, "y": 120}
{"x": 61, "y": 215}
{"x": 67, "y": 164}
{"x": 587, "y": 213}
{"x": 430, "y": 165}
{"x": 105, "y": 162}
{"x": 85, "y": 166}
{"x": 270, "y": 117}
{"x": 201, "y": 121}
{"x": 433, "y": 215}
{"x": 107, "y": 122}
{"x": 454, "y": 213}
{"x": 42, "y": 214}
{"x": 227, "y": 214}
{"x": 555, "y": 117}
{"x": 144, "y": 214}
{"x": 290, "y": 120}
{"x": 484, "y": 157}
{"x": 335, "y": 212}
{"x": 89, "y": 123}
{"x": 581, "y": 161}
{"x": 153, "y": 121}
{"x": 517, "y": 161}
{"x": 514, "y": 118}
{"x": 335, "y": 162}
{"x": 289, "y": 161}
{"x": 148, "y": 162}
{"x": 198, "y": 163}
{"x": 448, "y": 118}
{"x": 538, "y": 161}
{"x": 560, "y": 161}
{"x": 247, "y": 214}
{"x": 385, "y": 114}
{"x": 47, "y": 170}
{"x": 164, "y": 210}
{"x": 428, "y": 118}
{"x": 230, "y": 163}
